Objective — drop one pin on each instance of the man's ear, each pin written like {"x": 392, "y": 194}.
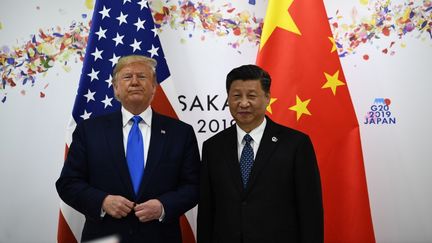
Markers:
{"x": 268, "y": 96}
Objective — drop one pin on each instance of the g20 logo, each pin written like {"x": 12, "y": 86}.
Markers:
{"x": 380, "y": 113}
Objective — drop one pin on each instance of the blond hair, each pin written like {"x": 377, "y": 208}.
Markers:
{"x": 126, "y": 60}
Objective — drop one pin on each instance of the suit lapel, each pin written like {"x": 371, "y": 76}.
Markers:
{"x": 231, "y": 157}
{"x": 114, "y": 136}
{"x": 267, "y": 145}
{"x": 157, "y": 142}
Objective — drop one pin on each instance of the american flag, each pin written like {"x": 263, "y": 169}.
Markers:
{"x": 118, "y": 28}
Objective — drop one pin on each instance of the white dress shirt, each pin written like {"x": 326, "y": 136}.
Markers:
{"x": 144, "y": 126}
{"x": 256, "y": 135}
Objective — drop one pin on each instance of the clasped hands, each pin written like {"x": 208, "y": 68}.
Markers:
{"x": 119, "y": 207}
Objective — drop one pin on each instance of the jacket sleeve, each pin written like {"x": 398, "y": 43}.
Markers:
{"x": 72, "y": 186}
{"x": 308, "y": 193}
{"x": 205, "y": 205}
{"x": 185, "y": 197}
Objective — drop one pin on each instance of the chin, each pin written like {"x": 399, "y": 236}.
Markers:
{"x": 136, "y": 97}
{"x": 243, "y": 122}
{"x": 244, "y": 118}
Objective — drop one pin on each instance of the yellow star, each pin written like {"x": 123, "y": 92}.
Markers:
{"x": 332, "y": 81}
{"x": 269, "y": 109}
{"x": 301, "y": 107}
{"x": 332, "y": 40}
{"x": 278, "y": 16}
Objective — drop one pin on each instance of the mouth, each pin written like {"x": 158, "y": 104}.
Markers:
{"x": 134, "y": 91}
{"x": 244, "y": 113}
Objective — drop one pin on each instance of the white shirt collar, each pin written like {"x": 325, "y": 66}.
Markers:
{"x": 256, "y": 133}
{"x": 145, "y": 115}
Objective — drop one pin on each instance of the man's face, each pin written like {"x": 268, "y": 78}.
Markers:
{"x": 247, "y": 102}
{"x": 135, "y": 86}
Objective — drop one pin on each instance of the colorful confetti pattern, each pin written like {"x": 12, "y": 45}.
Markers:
{"x": 387, "y": 20}
{"x": 24, "y": 64}
{"x": 206, "y": 18}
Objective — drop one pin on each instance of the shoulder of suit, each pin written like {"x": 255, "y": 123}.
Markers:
{"x": 97, "y": 120}
{"x": 169, "y": 121}
{"x": 284, "y": 129}
{"x": 223, "y": 135}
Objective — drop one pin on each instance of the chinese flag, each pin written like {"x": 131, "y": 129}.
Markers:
{"x": 310, "y": 93}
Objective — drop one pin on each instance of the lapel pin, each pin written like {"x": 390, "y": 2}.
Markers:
{"x": 274, "y": 139}
{"x": 163, "y": 131}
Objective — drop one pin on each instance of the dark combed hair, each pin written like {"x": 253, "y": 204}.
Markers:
{"x": 249, "y": 72}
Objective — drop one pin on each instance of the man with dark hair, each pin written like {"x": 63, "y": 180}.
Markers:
{"x": 259, "y": 180}
{"x": 134, "y": 172}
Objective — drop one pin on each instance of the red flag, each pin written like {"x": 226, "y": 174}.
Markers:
{"x": 310, "y": 93}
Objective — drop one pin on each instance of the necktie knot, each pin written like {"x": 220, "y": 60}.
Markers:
{"x": 136, "y": 119}
{"x": 247, "y": 138}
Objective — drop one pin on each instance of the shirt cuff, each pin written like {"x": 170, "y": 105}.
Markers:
{"x": 162, "y": 217}
{"x": 103, "y": 212}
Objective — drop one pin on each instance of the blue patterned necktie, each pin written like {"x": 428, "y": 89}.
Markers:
{"x": 135, "y": 154}
{"x": 246, "y": 160}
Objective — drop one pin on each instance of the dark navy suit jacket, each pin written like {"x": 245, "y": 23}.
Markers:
{"x": 96, "y": 167}
{"x": 282, "y": 202}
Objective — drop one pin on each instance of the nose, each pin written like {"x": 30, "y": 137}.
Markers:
{"x": 134, "y": 80}
{"x": 244, "y": 102}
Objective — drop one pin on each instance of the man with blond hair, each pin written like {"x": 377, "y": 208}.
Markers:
{"x": 134, "y": 172}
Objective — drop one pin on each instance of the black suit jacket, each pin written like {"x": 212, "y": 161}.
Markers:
{"x": 282, "y": 202}
{"x": 96, "y": 167}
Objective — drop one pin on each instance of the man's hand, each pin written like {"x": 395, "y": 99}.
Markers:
{"x": 117, "y": 206}
{"x": 150, "y": 210}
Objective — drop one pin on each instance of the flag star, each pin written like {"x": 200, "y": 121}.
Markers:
{"x": 107, "y": 101}
{"x": 90, "y": 95}
{"x": 153, "y": 51}
{"x": 269, "y": 109}
{"x": 332, "y": 81}
{"x": 118, "y": 39}
{"x": 105, "y": 12}
{"x": 125, "y": 1}
{"x": 109, "y": 81}
{"x": 154, "y": 31}
{"x": 122, "y": 18}
{"x": 284, "y": 21}
{"x": 300, "y": 107}
{"x": 101, "y": 33}
{"x": 136, "y": 45}
{"x": 139, "y": 24}
{"x": 332, "y": 40}
{"x": 93, "y": 75}
{"x": 97, "y": 54}
{"x": 114, "y": 59}
{"x": 143, "y": 4}
{"x": 86, "y": 115}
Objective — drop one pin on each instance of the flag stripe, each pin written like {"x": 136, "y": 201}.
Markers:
{"x": 64, "y": 233}
{"x": 161, "y": 103}
{"x": 186, "y": 230}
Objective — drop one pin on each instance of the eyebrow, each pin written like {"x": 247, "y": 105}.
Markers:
{"x": 132, "y": 73}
